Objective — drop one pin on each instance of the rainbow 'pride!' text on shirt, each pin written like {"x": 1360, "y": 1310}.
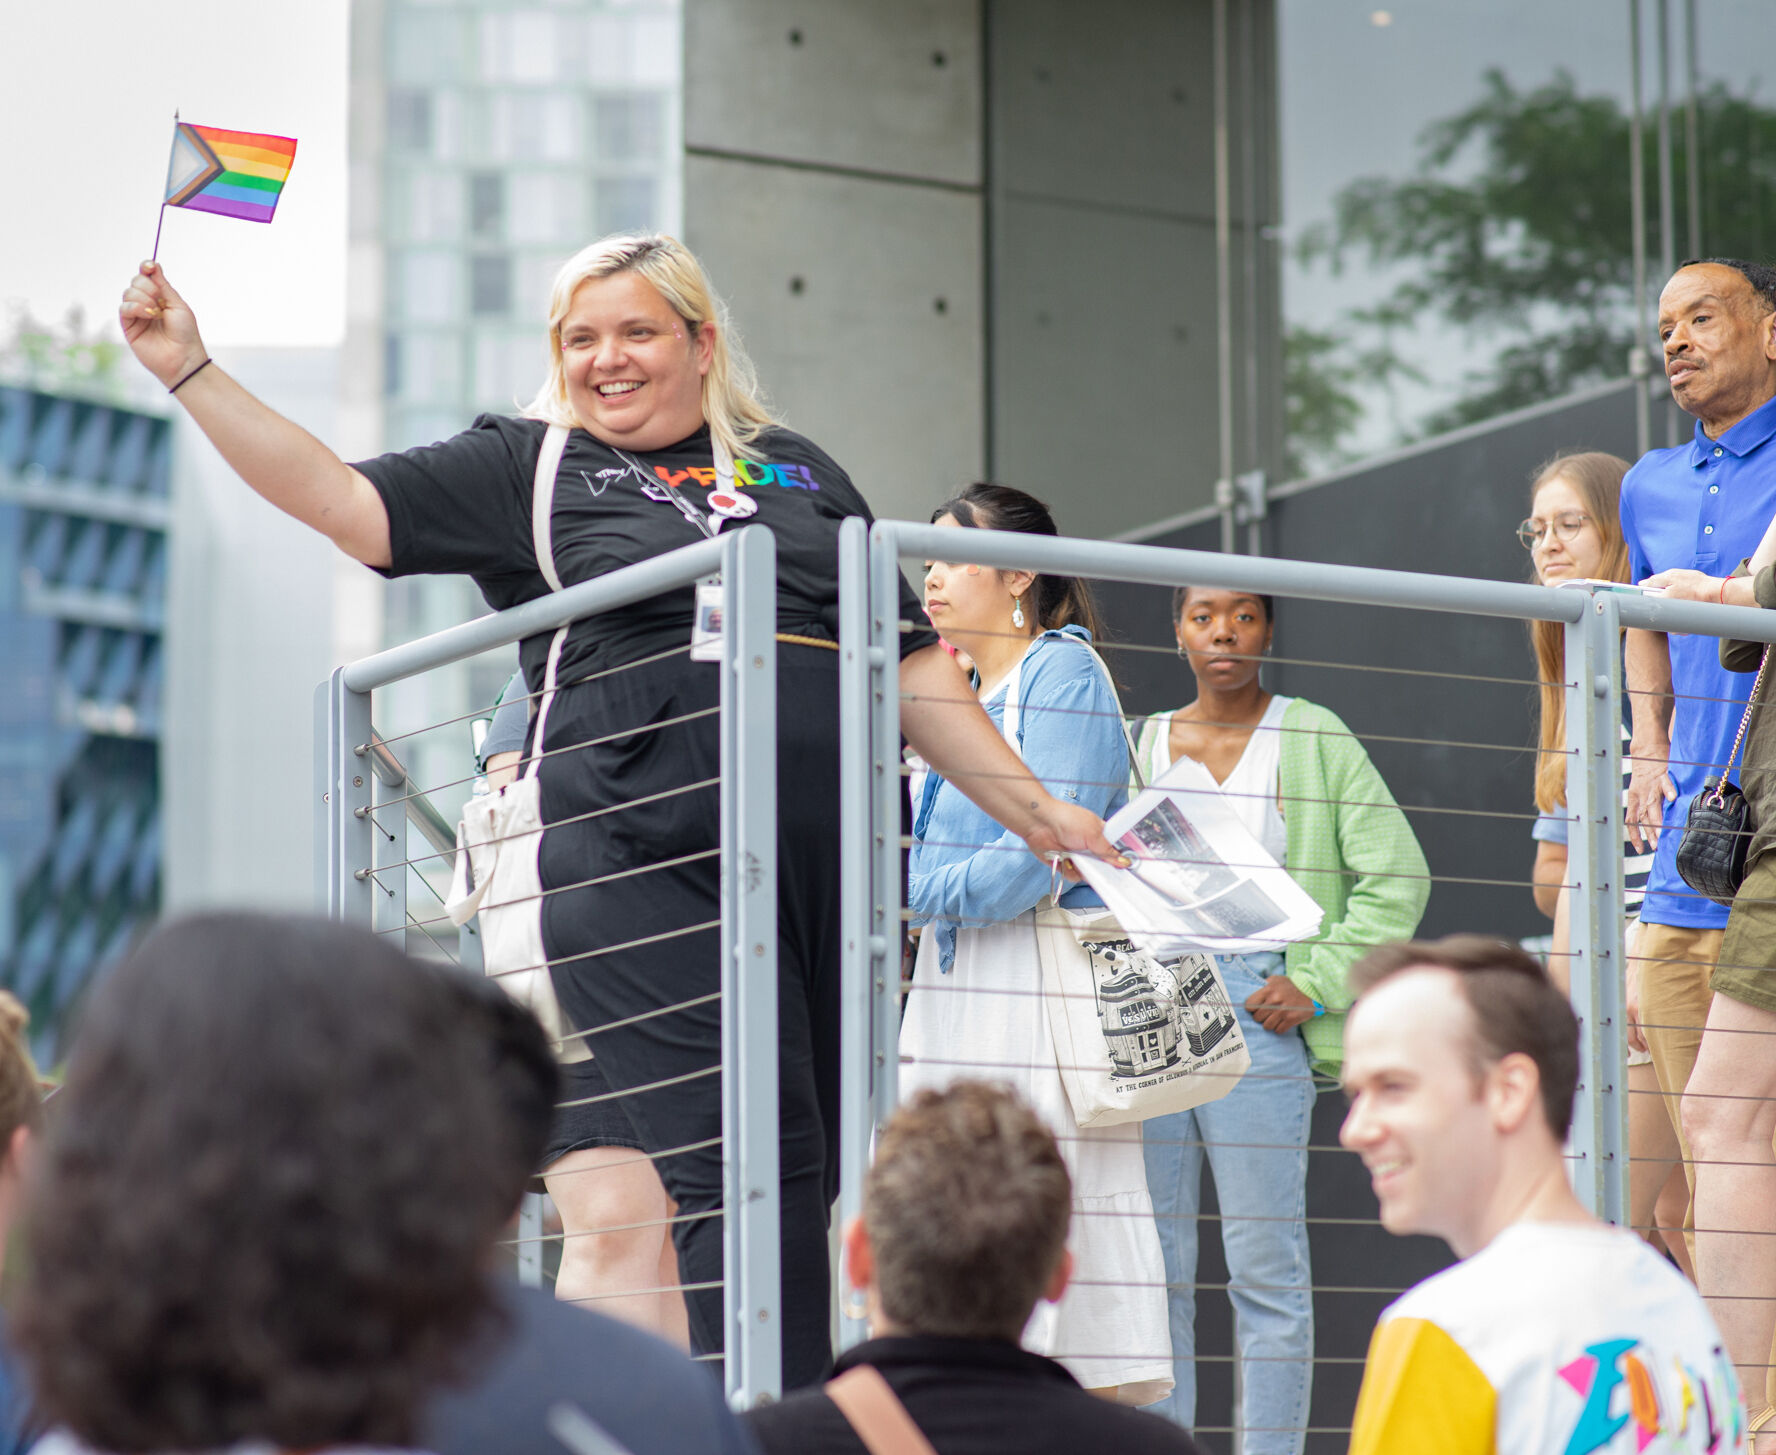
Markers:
{"x": 746, "y": 472}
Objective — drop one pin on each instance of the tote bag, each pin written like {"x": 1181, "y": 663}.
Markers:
{"x": 496, "y": 874}
{"x": 1134, "y": 1037}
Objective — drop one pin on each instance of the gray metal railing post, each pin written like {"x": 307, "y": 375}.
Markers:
{"x": 855, "y": 862}
{"x": 752, "y": 1289}
{"x": 322, "y": 847}
{"x": 1594, "y": 870}
{"x": 350, "y": 845}
{"x": 887, "y": 888}
{"x": 388, "y": 831}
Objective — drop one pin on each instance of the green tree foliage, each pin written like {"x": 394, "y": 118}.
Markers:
{"x": 1515, "y": 227}
{"x": 71, "y": 356}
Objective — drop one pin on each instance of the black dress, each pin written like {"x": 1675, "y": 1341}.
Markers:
{"x": 629, "y": 799}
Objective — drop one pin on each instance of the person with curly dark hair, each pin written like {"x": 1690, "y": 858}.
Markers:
{"x": 265, "y": 1208}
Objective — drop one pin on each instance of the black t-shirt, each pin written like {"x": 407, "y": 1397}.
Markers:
{"x": 463, "y": 506}
{"x": 970, "y": 1397}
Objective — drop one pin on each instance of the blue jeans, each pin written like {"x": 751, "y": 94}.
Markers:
{"x": 1256, "y": 1138}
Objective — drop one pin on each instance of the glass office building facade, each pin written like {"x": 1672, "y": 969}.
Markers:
{"x": 83, "y": 550}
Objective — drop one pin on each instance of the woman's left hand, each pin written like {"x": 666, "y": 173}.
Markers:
{"x": 1679, "y": 585}
{"x": 1280, "y": 1005}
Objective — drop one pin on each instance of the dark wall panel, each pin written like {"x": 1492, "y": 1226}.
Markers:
{"x": 1454, "y": 748}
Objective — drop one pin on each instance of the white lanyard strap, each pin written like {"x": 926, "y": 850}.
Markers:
{"x": 542, "y": 504}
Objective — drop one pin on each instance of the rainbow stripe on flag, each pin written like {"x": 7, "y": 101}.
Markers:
{"x": 230, "y": 173}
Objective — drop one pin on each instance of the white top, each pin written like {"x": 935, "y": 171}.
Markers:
{"x": 1554, "y": 1339}
{"x": 1251, "y": 788}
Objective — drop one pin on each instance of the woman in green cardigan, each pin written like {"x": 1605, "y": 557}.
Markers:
{"x": 1307, "y": 791}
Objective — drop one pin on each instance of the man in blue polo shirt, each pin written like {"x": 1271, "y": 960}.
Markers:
{"x": 1700, "y": 507}
{"x": 1718, "y": 321}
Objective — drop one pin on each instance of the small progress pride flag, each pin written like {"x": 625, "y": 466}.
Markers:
{"x": 231, "y": 173}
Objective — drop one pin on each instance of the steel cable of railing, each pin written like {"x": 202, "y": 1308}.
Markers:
{"x": 367, "y": 870}
{"x": 536, "y": 1252}
{"x": 678, "y": 862}
{"x": 641, "y": 730}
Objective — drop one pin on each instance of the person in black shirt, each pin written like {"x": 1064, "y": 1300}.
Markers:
{"x": 964, "y": 1228}
{"x": 668, "y": 441}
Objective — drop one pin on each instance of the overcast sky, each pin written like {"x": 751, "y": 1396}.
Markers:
{"x": 87, "y": 114}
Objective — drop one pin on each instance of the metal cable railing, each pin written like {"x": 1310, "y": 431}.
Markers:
{"x": 371, "y": 870}
{"x": 1600, "y": 1155}
{"x": 385, "y": 848}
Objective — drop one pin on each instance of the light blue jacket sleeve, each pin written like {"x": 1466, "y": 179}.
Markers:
{"x": 1072, "y": 741}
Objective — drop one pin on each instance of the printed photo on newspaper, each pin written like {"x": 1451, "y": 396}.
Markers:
{"x": 1200, "y": 880}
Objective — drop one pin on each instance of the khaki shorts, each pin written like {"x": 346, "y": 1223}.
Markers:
{"x": 1675, "y": 965}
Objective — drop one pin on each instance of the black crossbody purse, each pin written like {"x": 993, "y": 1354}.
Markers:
{"x": 1711, "y": 855}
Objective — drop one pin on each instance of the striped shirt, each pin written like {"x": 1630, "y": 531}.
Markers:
{"x": 1555, "y": 827}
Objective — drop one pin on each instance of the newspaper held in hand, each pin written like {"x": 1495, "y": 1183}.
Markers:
{"x": 1200, "y": 880}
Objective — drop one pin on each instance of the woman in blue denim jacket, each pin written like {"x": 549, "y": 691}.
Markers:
{"x": 976, "y": 1008}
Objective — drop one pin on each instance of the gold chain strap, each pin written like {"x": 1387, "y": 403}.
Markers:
{"x": 1719, "y": 797}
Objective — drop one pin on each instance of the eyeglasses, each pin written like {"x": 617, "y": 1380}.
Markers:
{"x": 1533, "y": 532}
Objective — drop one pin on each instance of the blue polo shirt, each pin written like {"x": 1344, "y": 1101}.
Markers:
{"x": 1703, "y": 506}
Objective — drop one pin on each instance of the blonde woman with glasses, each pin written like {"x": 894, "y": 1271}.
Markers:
{"x": 1574, "y": 533}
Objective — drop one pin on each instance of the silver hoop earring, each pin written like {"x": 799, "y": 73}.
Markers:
{"x": 1017, "y": 612}
{"x": 855, "y": 1306}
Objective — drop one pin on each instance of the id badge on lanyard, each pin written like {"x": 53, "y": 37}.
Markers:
{"x": 727, "y": 503}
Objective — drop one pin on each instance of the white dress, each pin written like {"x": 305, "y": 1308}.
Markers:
{"x": 986, "y": 1020}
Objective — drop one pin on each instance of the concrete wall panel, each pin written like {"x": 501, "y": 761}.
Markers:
{"x": 860, "y": 301}
{"x": 865, "y": 84}
{"x": 1104, "y": 360}
{"x": 1110, "y": 103}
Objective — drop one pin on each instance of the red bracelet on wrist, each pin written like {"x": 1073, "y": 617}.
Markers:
{"x": 1723, "y": 590}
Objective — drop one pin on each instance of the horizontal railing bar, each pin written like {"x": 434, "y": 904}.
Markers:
{"x": 1312, "y": 580}
{"x": 1697, "y": 618}
{"x": 682, "y": 567}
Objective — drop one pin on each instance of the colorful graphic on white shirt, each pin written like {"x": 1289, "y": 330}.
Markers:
{"x": 1554, "y": 1339}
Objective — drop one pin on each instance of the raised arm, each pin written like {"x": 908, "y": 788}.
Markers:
{"x": 950, "y": 730}
{"x": 280, "y": 460}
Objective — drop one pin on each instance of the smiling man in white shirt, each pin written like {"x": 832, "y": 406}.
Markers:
{"x": 1556, "y": 1334}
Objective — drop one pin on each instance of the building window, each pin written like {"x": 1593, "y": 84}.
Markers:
{"x": 546, "y": 207}
{"x": 430, "y": 286}
{"x": 409, "y": 120}
{"x": 487, "y": 204}
{"x": 522, "y": 48}
{"x": 391, "y": 365}
{"x": 490, "y": 284}
{"x": 627, "y": 204}
{"x": 629, "y": 128}
{"x": 434, "y": 208}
